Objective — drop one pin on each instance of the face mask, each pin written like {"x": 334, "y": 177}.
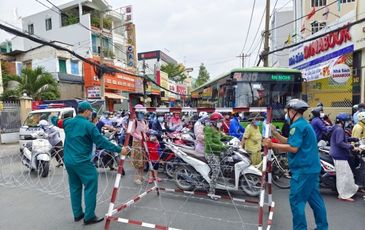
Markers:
{"x": 208, "y": 123}
{"x": 347, "y": 123}
{"x": 287, "y": 119}
{"x": 160, "y": 119}
{"x": 257, "y": 123}
{"x": 219, "y": 125}
{"x": 321, "y": 115}
{"x": 140, "y": 116}
{"x": 153, "y": 138}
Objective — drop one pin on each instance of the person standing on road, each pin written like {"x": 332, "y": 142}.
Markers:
{"x": 304, "y": 165}
{"x": 252, "y": 140}
{"x": 80, "y": 136}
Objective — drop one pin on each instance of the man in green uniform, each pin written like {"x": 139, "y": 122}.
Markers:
{"x": 80, "y": 136}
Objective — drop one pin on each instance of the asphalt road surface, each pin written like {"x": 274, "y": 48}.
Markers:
{"x": 30, "y": 202}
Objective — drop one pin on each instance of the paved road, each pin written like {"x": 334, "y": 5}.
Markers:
{"x": 28, "y": 202}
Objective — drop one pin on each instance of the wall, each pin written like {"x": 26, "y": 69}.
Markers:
{"x": 333, "y": 9}
{"x": 69, "y": 91}
{"x": 75, "y": 34}
{"x": 280, "y": 36}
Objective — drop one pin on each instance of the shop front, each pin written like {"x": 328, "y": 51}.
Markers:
{"x": 115, "y": 84}
{"x": 326, "y": 64}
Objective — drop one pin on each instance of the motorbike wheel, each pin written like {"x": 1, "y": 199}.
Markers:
{"x": 43, "y": 168}
{"x": 180, "y": 174}
{"x": 280, "y": 173}
{"x": 251, "y": 184}
{"x": 170, "y": 167}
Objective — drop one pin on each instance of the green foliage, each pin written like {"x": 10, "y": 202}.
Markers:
{"x": 37, "y": 83}
{"x": 175, "y": 71}
{"x": 203, "y": 76}
{"x": 95, "y": 21}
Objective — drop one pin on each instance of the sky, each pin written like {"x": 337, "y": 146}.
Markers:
{"x": 212, "y": 32}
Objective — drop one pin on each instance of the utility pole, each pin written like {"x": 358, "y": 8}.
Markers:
{"x": 144, "y": 83}
{"x": 267, "y": 34}
{"x": 243, "y": 56}
{"x": 101, "y": 55}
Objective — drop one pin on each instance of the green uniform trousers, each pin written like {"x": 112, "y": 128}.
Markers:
{"x": 80, "y": 175}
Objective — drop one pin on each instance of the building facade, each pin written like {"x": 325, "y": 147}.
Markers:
{"x": 333, "y": 61}
{"x": 281, "y": 36}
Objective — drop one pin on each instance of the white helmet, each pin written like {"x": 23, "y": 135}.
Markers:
{"x": 43, "y": 123}
{"x": 203, "y": 114}
{"x": 361, "y": 116}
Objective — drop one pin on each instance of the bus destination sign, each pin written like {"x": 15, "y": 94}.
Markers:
{"x": 256, "y": 77}
{"x": 281, "y": 77}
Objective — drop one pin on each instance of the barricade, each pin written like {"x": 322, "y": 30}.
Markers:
{"x": 266, "y": 179}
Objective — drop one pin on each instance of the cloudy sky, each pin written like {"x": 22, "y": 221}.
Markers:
{"x": 212, "y": 32}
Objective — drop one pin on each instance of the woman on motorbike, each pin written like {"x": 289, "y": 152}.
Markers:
{"x": 54, "y": 138}
{"x": 340, "y": 150}
{"x": 319, "y": 125}
{"x": 214, "y": 147}
{"x": 252, "y": 139}
{"x": 359, "y": 129}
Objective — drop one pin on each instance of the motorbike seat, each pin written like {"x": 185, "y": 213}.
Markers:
{"x": 194, "y": 154}
{"x": 326, "y": 157}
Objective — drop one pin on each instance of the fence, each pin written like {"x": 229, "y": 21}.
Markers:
{"x": 9, "y": 117}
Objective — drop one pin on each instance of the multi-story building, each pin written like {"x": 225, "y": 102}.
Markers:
{"x": 333, "y": 61}
{"x": 78, "y": 23}
{"x": 281, "y": 36}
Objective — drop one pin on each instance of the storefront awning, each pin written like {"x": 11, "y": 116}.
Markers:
{"x": 115, "y": 96}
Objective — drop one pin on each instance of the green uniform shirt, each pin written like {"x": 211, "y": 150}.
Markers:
{"x": 80, "y": 136}
{"x": 213, "y": 143}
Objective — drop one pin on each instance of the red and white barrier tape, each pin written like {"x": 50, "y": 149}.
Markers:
{"x": 188, "y": 109}
{"x": 144, "y": 224}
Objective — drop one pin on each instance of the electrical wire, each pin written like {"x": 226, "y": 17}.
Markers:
{"x": 249, "y": 26}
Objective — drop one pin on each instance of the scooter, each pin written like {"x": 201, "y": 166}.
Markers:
{"x": 36, "y": 155}
{"x": 328, "y": 171}
{"x": 237, "y": 173}
{"x": 105, "y": 159}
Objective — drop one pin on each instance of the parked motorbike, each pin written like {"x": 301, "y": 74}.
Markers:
{"x": 237, "y": 173}
{"x": 36, "y": 155}
{"x": 328, "y": 171}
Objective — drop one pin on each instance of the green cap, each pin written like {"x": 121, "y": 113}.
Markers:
{"x": 85, "y": 106}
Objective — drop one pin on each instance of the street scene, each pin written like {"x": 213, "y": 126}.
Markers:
{"x": 182, "y": 114}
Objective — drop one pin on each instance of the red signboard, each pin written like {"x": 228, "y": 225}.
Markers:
{"x": 117, "y": 81}
{"x": 327, "y": 42}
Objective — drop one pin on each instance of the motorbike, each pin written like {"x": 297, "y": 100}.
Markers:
{"x": 36, "y": 154}
{"x": 105, "y": 159}
{"x": 237, "y": 173}
{"x": 328, "y": 171}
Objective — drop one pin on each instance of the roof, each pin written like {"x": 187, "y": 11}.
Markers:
{"x": 251, "y": 69}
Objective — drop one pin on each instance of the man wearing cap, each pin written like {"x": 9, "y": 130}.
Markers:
{"x": 80, "y": 136}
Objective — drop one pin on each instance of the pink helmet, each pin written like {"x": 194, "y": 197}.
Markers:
{"x": 139, "y": 106}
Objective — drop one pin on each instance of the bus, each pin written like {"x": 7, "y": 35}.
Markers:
{"x": 251, "y": 87}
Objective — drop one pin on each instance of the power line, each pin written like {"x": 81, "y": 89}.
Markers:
{"x": 297, "y": 19}
{"x": 101, "y": 67}
{"x": 249, "y": 26}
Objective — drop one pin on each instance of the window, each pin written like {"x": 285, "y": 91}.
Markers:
{"x": 317, "y": 26}
{"x": 344, "y": 1}
{"x": 48, "y": 24}
{"x": 30, "y": 29}
{"x": 62, "y": 65}
{"x": 94, "y": 43}
{"x": 320, "y": 2}
{"x": 75, "y": 67}
{"x": 68, "y": 114}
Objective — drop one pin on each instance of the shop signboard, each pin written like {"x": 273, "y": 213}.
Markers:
{"x": 93, "y": 92}
{"x": 139, "y": 85}
{"x": 172, "y": 87}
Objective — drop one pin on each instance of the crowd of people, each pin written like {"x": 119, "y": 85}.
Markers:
{"x": 298, "y": 137}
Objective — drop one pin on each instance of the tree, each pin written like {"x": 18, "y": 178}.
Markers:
{"x": 37, "y": 83}
{"x": 175, "y": 71}
{"x": 203, "y": 76}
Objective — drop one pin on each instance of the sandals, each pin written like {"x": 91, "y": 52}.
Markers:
{"x": 346, "y": 200}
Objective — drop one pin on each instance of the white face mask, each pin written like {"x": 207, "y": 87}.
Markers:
{"x": 153, "y": 138}
{"x": 219, "y": 125}
{"x": 321, "y": 115}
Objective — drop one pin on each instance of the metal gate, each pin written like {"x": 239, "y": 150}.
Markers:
{"x": 9, "y": 117}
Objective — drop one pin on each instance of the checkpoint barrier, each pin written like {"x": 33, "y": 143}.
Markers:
{"x": 266, "y": 179}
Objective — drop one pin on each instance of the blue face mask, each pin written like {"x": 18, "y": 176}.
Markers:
{"x": 257, "y": 123}
{"x": 160, "y": 119}
{"x": 140, "y": 116}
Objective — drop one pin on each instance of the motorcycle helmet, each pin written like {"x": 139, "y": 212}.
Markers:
{"x": 216, "y": 116}
{"x": 316, "y": 112}
{"x": 298, "y": 105}
{"x": 343, "y": 117}
{"x": 361, "y": 116}
{"x": 203, "y": 114}
{"x": 43, "y": 123}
